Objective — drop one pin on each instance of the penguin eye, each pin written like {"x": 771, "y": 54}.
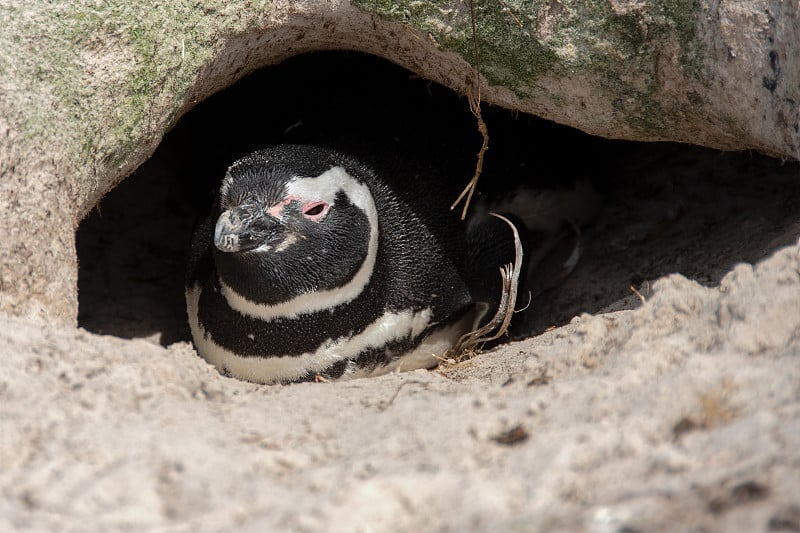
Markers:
{"x": 315, "y": 210}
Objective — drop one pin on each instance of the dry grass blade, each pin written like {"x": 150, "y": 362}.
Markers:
{"x": 498, "y": 325}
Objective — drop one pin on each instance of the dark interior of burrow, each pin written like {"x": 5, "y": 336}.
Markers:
{"x": 666, "y": 207}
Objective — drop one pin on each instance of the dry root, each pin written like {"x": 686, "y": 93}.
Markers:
{"x": 469, "y": 342}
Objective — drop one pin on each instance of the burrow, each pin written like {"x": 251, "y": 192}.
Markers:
{"x": 666, "y": 207}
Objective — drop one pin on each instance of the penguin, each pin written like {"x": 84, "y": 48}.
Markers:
{"x": 312, "y": 266}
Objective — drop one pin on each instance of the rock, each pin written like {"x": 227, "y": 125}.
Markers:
{"x": 90, "y": 89}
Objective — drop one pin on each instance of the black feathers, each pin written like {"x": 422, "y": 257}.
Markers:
{"x": 353, "y": 273}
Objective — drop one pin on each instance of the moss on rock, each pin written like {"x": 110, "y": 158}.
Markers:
{"x": 110, "y": 66}
{"x": 521, "y": 41}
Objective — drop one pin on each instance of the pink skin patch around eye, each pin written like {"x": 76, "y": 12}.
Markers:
{"x": 312, "y": 210}
{"x": 315, "y": 210}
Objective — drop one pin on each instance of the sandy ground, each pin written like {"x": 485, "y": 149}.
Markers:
{"x": 679, "y": 412}
{"x": 672, "y": 407}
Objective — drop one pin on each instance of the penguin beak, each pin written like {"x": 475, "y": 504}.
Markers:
{"x": 244, "y": 228}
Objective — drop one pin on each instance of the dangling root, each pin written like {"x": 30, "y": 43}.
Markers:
{"x": 498, "y": 325}
{"x": 474, "y": 98}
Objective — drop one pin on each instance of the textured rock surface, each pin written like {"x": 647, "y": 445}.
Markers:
{"x": 88, "y": 89}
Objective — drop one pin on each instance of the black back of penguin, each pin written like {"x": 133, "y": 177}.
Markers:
{"x": 311, "y": 264}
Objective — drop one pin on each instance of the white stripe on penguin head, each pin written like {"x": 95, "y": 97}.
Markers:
{"x": 324, "y": 187}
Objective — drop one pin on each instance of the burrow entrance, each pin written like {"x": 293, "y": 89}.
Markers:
{"x": 666, "y": 207}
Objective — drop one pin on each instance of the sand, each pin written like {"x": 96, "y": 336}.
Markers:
{"x": 675, "y": 407}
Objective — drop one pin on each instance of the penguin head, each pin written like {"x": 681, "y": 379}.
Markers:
{"x": 295, "y": 221}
